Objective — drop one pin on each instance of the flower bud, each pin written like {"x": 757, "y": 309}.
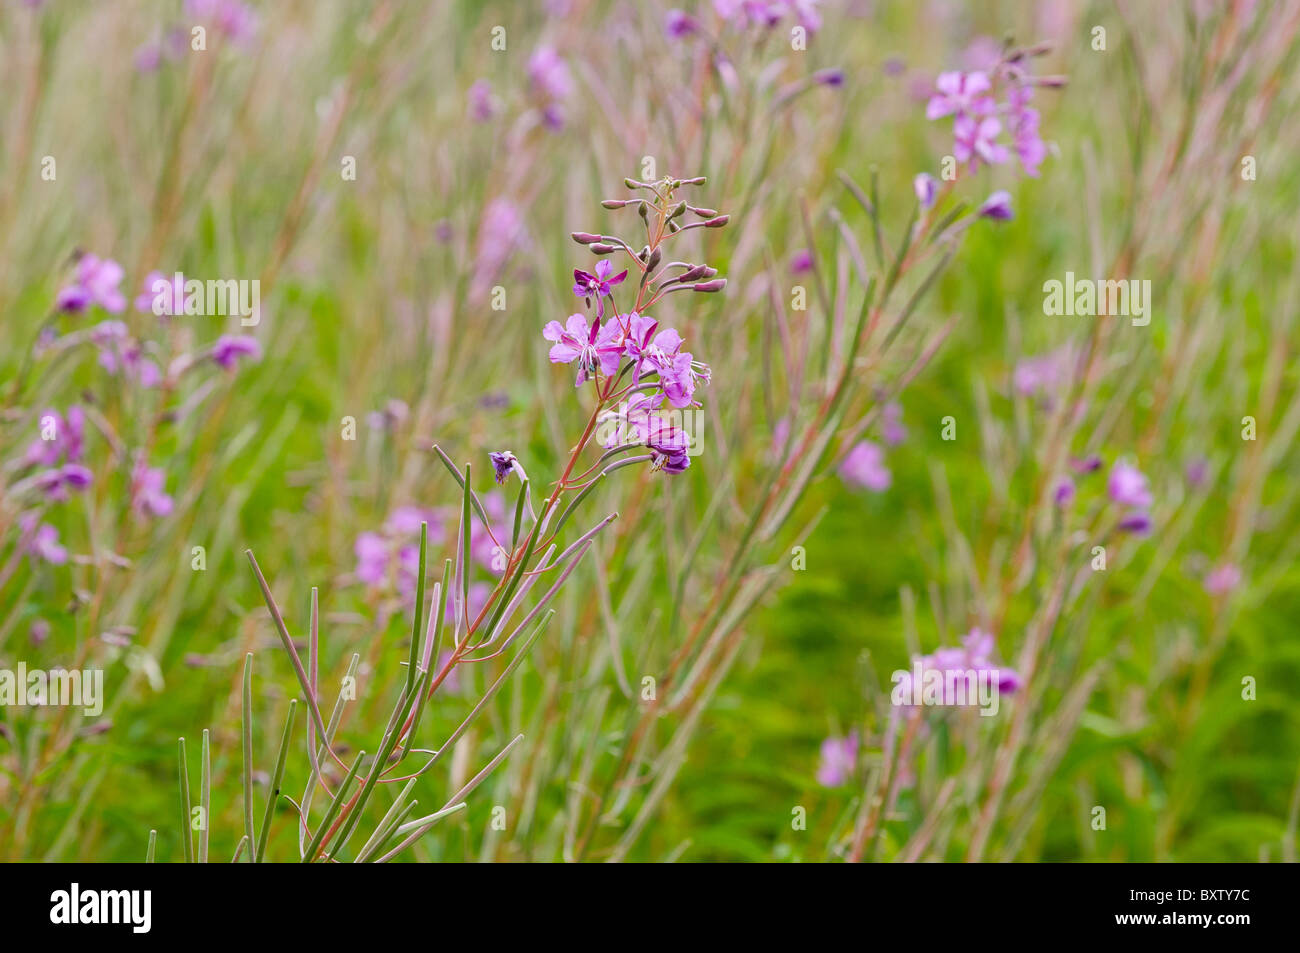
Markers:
{"x": 717, "y": 284}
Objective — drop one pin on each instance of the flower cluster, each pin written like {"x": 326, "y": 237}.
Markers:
{"x": 639, "y": 367}
{"x": 980, "y": 120}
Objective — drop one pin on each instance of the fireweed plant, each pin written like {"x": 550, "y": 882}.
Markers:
{"x": 638, "y": 372}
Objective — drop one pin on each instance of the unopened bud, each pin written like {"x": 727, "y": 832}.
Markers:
{"x": 717, "y": 222}
{"x": 717, "y": 284}
{"x": 600, "y": 248}
{"x": 585, "y": 238}
{"x": 705, "y": 212}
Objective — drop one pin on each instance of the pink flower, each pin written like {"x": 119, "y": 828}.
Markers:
{"x": 997, "y": 207}
{"x": 482, "y": 104}
{"x": 372, "y": 558}
{"x": 577, "y": 341}
{"x": 960, "y": 94}
{"x": 975, "y": 139}
{"x": 56, "y": 483}
{"x": 1222, "y": 580}
{"x": 1127, "y": 486}
{"x": 865, "y": 467}
{"x": 67, "y": 439}
{"x": 43, "y": 542}
{"x": 549, "y": 74}
{"x": 230, "y": 349}
{"x": 839, "y": 758}
{"x": 1029, "y": 147}
{"x": 147, "y": 490}
{"x": 924, "y": 187}
{"x": 892, "y": 430}
{"x": 95, "y": 284}
{"x": 163, "y": 295}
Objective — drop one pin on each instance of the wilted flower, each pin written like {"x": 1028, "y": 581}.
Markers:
{"x": 503, "y": 464}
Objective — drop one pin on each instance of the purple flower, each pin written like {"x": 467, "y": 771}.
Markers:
{"x": 577, "y": 341}
{"x": 892, "y": 430}
{"x": 500, "y": 233}
{"x": 95, "y": 284}
{"x": 1127, "y": 486}
{"x": 482, "y": 104}
{"x": 839, "y": 757}
{"x": 960, "y": 94}
{"x": 865, "y": 467}
{"x": 503, "y": 463}
{"x": 924, "y": 187}
{"x": 997, "y": 207}
{"x": 372, "y": 558}
{"x": 43, "y": 542}
{"x": 599, "y": 285}
{"x": 669, "y": 447}
{"x": 56, "y": 483}
{"x": 67, "y": 439}
{"x": 659, "y": 353}
{"x": 801, "y": 262}
{"x": 1222, "y": 580}
{"x": 679, "y": 24}
{"x": 833, "y": 78}
{"x": 679, "y": 378}
{"x": 1029, "y": 147}
{"x": 1088, "y": 464}
{"x": 231, "y": 17}
{"x": 147, "y": 490}
{"x": 1063, "y": 495}
{"x": 549, "y": 74}
{"x": 975, "y": 139}
{"x": 1138, "y": 522}
{"x": 1197, "y": 470}
{"x": 163, "y": 295}
{"x": 231, "y": 348}
{"x": 406, "y": 520}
